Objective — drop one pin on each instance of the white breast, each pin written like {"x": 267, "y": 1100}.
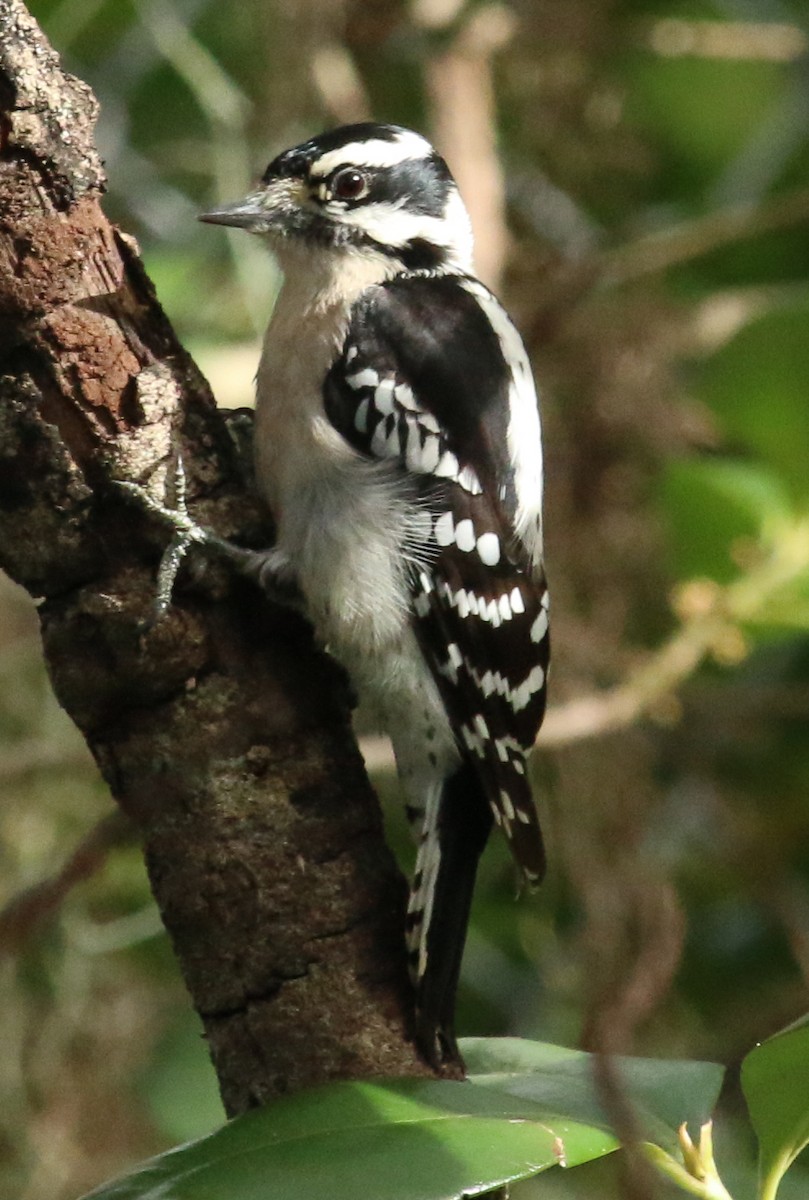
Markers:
{"x": 341, "y": 519}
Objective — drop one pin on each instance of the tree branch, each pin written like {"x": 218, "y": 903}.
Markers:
{"x": 655, "y": 253}
{"x": 459, "y": 86}
{"x": 221, "y": 731}
{"x": 32, "y": 905}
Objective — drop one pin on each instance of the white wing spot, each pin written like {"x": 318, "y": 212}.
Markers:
{"x": 427, "y": 455}
{"x": 403, "y": 394}
{"x": 383, "y": 397}
{"x": 465, "y": 535}
{"x": 447, "y": 465}
{"x": 521, "y": 695}
{"x": 445, "y": 529}
{"x": 461, "y": 603}
{"x": 361, "y": 416}
{"x": 473, "y": 741}
{"x": 394, "y": 446}
{"x": 413, "y": 454}
{"x": 536, "y": 680}
{"x": 540, "y": 626}
{"x": 517, "y": 602}
{"x": 379, "y": 442}
{"x": 469, "y": 481}
{"x": 489, "y": 550}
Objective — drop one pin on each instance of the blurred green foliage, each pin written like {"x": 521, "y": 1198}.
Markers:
{"x": 656, "y": 169}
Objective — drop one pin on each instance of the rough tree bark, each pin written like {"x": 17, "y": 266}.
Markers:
{"x": 221, "y": 730}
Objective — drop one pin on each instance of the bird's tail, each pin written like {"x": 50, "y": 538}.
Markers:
{"x": 456, "y": 825}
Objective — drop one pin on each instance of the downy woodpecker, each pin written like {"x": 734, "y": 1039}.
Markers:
{"x": 397, "y": 443}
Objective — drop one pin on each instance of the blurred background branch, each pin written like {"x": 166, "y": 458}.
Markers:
{"x": 713, "y": 622}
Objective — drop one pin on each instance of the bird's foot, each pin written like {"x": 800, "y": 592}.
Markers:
{"x": 270, "y": 569}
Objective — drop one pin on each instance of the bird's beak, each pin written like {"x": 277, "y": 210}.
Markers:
{"x": 251, "y": 213}
{"x": 266, "y": 210}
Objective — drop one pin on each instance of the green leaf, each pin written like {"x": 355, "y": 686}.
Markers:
{"x": 664, "y": 1093}
{"x": 179, "y": 1084}
{"x": 701, "y": 111}
{"x": 527, "y": 1106}
{"x": 757, "y": 385}
{"x": 393, "y": 1140}
{"x": 711, "y": 504}
{"x": 775, "y": 1081}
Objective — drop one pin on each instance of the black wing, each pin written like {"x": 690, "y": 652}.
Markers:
{"x": 428, "y": 377}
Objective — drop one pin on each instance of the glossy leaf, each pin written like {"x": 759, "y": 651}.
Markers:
{"x": 775, "y": 1080}
{"x": 664, "y": 1093}
{"x": 393, "y": 1140}
{"x": 526, "y": 1107}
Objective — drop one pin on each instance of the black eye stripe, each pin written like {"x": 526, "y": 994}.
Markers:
{"x": 424, "y": 182}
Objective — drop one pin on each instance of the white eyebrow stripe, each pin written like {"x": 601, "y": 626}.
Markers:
{"x": 377, "y": 152}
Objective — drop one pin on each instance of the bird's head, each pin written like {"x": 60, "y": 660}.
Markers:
{"x": 369, "y": 189}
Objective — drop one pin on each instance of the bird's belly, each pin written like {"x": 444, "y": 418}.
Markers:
{"x": 342, "y": 521}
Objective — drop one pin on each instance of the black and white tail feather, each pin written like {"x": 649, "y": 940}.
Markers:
{"x": 398, "y": 443}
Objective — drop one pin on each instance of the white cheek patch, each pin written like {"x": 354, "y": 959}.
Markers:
{"x": 393, "y": 225}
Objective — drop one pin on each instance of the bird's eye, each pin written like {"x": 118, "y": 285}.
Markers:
{"x": 349, "y": 184}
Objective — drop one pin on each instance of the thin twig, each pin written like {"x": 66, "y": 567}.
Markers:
{"x": 35, "y": 904}
{"x": 619, "y": 707}
{"x": 41, "y": 755}
{"x": 712, "y": 616}
{"x": 657, "y": 252}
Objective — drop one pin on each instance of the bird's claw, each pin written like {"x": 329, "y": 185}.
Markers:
{"x": 185, "y": 534}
